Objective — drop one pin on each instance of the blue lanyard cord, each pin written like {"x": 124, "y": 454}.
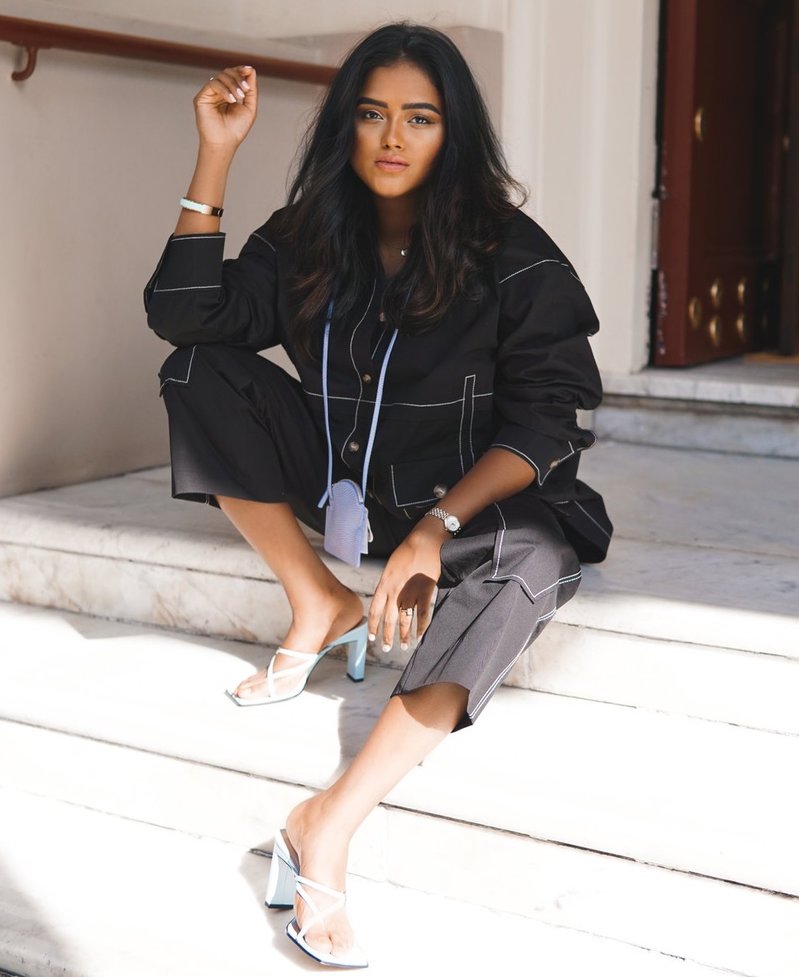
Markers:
{"x": 378, "y": 401}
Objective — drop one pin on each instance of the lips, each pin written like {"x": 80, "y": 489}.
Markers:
{"x": 391, "y": 164}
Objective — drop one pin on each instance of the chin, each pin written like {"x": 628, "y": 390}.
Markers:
{"x": 391, "y": 189}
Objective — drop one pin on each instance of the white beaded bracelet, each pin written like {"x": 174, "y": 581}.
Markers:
{"x": 198, "y": 208}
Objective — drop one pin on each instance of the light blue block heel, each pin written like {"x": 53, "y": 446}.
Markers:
{"x": 282, "y": 882}
{"x": 355, "y": 639}
{"x": 356, "y": 654}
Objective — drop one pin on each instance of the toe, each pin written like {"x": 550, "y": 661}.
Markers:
{"x": 321, "y": 942}
{"x": 341, "y": 943}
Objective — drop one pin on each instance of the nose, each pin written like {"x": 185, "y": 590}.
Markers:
{"x": 391, "y": 135}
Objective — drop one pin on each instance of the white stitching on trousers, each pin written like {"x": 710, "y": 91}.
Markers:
{"x": 513, "y": 576}
{"x": 177, "y": 379}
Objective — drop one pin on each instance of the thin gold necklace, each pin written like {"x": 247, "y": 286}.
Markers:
{"x": 392, "y": 247}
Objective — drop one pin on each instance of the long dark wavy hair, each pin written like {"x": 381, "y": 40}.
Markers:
{"x": 331, "y": 218}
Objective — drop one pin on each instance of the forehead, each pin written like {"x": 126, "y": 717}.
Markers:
{"x": 399, "y": 83}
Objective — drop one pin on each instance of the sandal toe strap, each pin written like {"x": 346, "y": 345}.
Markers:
{"x": 318, "y": 914}
{"x": 306, "y": 658}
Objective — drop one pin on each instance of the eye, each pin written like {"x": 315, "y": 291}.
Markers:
{"x": 421, "y": 119}
{"x": 369, "y": 114}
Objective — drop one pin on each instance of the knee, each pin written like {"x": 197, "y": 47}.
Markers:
{"x": 177, "y": 368}
{"x": 180, "y": 367}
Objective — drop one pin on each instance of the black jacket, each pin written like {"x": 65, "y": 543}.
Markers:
{"x": 509, "y": 370}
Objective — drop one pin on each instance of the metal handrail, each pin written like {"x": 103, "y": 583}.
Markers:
{"x": 35, "y": 35}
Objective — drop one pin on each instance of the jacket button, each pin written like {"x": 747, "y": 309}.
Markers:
{"x": 439, "y": 491}
{"x": 367, "y": 378}
{"x": 354, "y": 446}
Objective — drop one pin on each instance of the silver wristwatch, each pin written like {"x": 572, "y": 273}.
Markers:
{"x": 451, "y": 523}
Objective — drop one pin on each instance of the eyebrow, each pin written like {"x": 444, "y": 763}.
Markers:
{"x": 407, "y": 105}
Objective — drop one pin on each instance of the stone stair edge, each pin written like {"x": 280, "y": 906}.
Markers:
{"x": 207, "y": 730}
{"x": 560, "y": 948}
{"x": 575, "y": 888}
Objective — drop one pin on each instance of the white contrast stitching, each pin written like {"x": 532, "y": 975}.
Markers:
{"x": 542, "y": 479}
{"x": 598, "y": 526}
{"x": 544, "y": 261}
{"x": 176, "y": 379}
{"x": 196, "y": 237}
{"x": 510, "y": 447}
{"x": 506, "y": 670}
{"x": 466, "y": 379}
{"x": 396, "y": 403}
{"x": 567, "y": 579}
{"x": 501, "y": 537}
{"x": 254, "y": 234}
{"x": 185, "y": 288}
{"x": 513, "y": 576}
{"x": 471, "y": 426}
{"x": 401, "y": 505}
{"x": 357, "y": 373}
{"x": 376, "y": 347}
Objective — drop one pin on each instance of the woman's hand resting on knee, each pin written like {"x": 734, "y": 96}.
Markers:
{"x": 408, "y": 581}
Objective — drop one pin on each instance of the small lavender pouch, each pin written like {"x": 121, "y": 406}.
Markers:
{"x": 347, "y": 532}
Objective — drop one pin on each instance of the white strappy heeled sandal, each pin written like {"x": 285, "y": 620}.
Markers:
{"x": 284, "y": 880}
{"x": 354, "y": 957}
{"x": 281, "y": 884}
{"x": 355, "y": 639}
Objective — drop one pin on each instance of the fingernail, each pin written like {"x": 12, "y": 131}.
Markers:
{"x": 386, "y": 649}
{"x": 231, "y": 97}
{"x": 372, "y": 637}
{"x": 403, "y": 646}
{"x": 245, "y": 86}
{"x": 240, "y": 93}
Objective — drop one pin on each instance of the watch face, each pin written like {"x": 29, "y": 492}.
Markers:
{"x": 452, "y": 523}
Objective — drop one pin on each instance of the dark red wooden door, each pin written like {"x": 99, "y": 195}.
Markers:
{"x": 723, "y": 141}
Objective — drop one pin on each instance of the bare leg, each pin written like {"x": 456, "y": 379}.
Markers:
{"x": 322, "y": 607}
{"x": 321, "y": 828}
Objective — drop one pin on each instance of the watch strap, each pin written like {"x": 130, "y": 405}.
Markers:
{"x": 443, "y": 515}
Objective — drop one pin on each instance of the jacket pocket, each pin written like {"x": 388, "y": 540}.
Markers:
{"x": 423, "y": 482}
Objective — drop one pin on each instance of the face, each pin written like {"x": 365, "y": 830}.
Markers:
{"x": 399, "y": 130}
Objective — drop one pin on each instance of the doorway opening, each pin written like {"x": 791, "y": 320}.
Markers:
{"x": 725, "y": 280}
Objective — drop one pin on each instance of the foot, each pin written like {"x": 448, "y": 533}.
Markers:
{"x": 324, "y": 621}
{"x": 320, "y": 850}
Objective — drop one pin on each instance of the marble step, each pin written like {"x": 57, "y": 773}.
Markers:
{"x": 769, "y": 432}
{"x": 84, "y": 894}
{"x": 743, "y": 406}
{"x": 663, "y": 832}
{"x": 695, "y": 606}
{"x": 747, "y": 405}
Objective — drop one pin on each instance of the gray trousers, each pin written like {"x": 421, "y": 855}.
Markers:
{"x": 240, "y": 426}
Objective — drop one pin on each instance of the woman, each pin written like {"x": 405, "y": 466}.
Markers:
{"x": 402, "y": 244}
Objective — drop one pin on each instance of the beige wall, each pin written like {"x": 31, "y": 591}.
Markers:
{"x": 97, "y": 151}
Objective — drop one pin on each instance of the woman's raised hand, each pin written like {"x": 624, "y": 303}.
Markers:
{"x": 225, "y": 108}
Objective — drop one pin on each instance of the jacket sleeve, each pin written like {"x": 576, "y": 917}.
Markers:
{"x": 545, "y": 368}
{"x": 194, "y": 296}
